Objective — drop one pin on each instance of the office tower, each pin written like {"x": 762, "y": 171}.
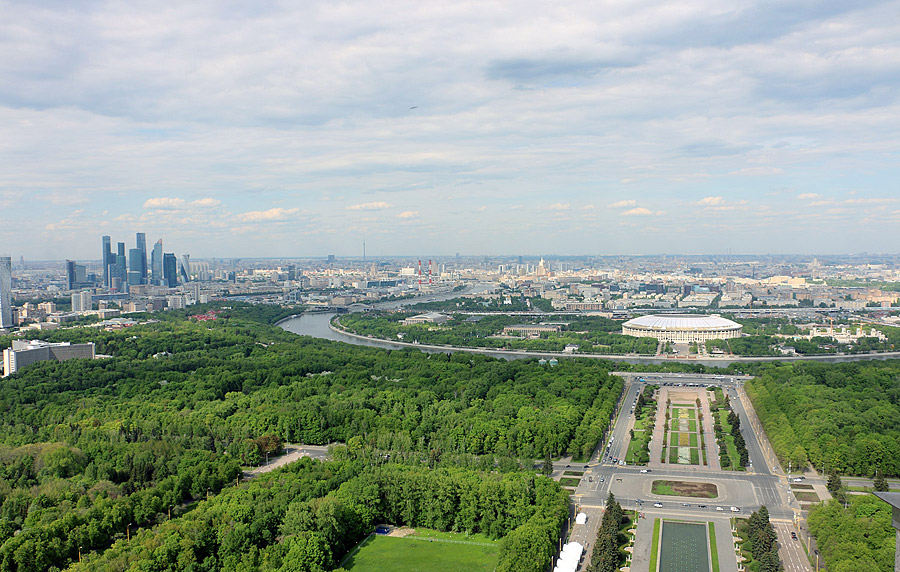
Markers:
{"x": 134, "y": 267}
{"x": 170, "y": 270}
{"x": 82, "y": 301}
{"x": 6, "y": 292}
{"x": 106, "y": 258}
{"x": 156, "y": 263}
{"x": 120, "y": 249}
{"x": 70, "y": 275}
{"x": 185, "y": 267}
{"x": 141, "y": 240}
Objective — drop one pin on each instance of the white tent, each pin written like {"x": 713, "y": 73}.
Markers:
{"x": 581, "y": 518}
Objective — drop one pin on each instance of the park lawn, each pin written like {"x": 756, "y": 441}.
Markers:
{"x": 569, "y": 482}
{"x": 722, "y": 418}
{"x": 573, "y": 473}
{"x": 654, "y": 550}
{"x": 806, "y": 496}
{"x": 673, "y": 455}
{"x": 455, "y": 536}
{"x": 636, "y": 446}
{"x": 418, "y": 555}
{"x": 713, "y": 551}
{"x": 692, "y": 425}
{"x": 692, "y": 413}
{"x": 675, "y": 413}
{"x": 675, "y": 424}
{"x": 695, "y": 456}
{"x": 693, "y": 439}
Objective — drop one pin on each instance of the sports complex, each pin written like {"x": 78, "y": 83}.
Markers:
{"x": 682, "y": 328}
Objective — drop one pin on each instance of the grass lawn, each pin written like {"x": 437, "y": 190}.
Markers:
{"x": 810, "y": 487}
{"x": 569, "y": 482}
{"x": 573, "y": 473}
{"x": 673, "y": 454}
{"x": 692, "y": 425}
{"x": 695, "y": 456}
{"x": 685, "y": 489}
{"x": 722, "y": 418}
{"x": 636, "y": 447}
{"x": 713, "y": 552}
{"x": 693, "y": 439}
{"x": 415, "y": 554}
{"x": 654, "y": 550}
{"x": 692, "y": 413}
{"x": 675, "y": 425}
{"x": 805, "y": 496}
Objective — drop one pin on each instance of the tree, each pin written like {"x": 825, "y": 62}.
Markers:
{"x": 834, "y": 483}
{"x": 880, "y": 485}
{"x": 548, "y": 466}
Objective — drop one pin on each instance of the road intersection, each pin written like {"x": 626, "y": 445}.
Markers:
{"x": 739, "y": 492}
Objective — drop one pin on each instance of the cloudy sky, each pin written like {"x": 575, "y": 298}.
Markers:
{"x": 429, "y": 128}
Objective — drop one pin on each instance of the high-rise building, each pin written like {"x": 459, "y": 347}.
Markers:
{"x": 134, "y": 267}
{"x": 141, "y": 245}
{"x": 156, "y": 264}
{"x": 82, "y": 301}
{"x": 120, "y": 249}
{"x": 185, "y": 267}
{"x": 76, "y": 277}
{"x": 106, "y": 258}
{"x": 170, "y": 270}
{"x": 6, "y": 292}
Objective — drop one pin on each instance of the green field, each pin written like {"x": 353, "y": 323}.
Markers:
{"x": 569, "y": 482}
{"x": 418, "y": 554}
{"x": 684, "y": 547}
{"x": 654, "y": 549}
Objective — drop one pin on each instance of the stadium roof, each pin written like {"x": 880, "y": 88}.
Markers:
{"x": 682, "y": 322}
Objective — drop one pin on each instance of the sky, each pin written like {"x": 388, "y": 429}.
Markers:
{"x": 295, "y": 129}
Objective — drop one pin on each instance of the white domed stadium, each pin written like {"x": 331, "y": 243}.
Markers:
{"x": 682, "y": 328}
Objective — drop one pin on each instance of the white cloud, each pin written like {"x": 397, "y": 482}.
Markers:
{"x": 207, "y": 202}
{"x": 164, "y": 203}
{"x": 808, "y": 196}
{"x": 374, "y": 206}
{"x": 408, "y": 214}
{"x": 639, "y": 211}
{"x": 623, "y": 203}
{"x": 559, "y": 207}
{"x": 710, "y": 202}
{"x": 273, "y": 214}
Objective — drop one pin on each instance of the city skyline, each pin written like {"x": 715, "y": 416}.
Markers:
{"x": 289, "y": 131}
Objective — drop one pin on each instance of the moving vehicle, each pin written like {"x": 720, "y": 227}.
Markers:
{"x": 719, "y": 508}
{"x": 645, "y": 470}
{"x": 735, "y": 509}
{"x": 657, "y": 504}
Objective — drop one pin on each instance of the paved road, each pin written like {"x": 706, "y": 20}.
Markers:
{"x": 790, "y": 550}
{"x": 759, "y": 485}
{"x": 291, "y": 454}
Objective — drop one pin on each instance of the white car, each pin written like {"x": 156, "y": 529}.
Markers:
{"x": 719, "y": 508}
{"x": 657, "y": 504}
{"x": 735, "y": 509}
{"x": 798, "y": 480}
{"x": 645, "y": 470}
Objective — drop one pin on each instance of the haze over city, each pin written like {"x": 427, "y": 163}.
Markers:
{"x": 284, "y": 130}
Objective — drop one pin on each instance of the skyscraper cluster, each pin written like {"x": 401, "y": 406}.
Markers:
{"x": 121, "y": 271}
{"x": 5, "y": 292}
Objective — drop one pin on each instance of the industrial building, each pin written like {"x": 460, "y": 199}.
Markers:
{"x": 27, "y": 352}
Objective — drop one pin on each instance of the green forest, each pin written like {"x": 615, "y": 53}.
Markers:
{"x": 842, "y": 418}
{"x": 94, "y": 452}
{"x": 592, "y": 334}
{"x": 858, "y": 537}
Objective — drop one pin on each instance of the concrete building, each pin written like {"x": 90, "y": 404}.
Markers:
{"x": 530, "y": 329}
{"x": 26, "y": 352}
{"x": 427, "y": 318}
{"x": 82, "y": 301}
{"x": 682, "y": 328}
